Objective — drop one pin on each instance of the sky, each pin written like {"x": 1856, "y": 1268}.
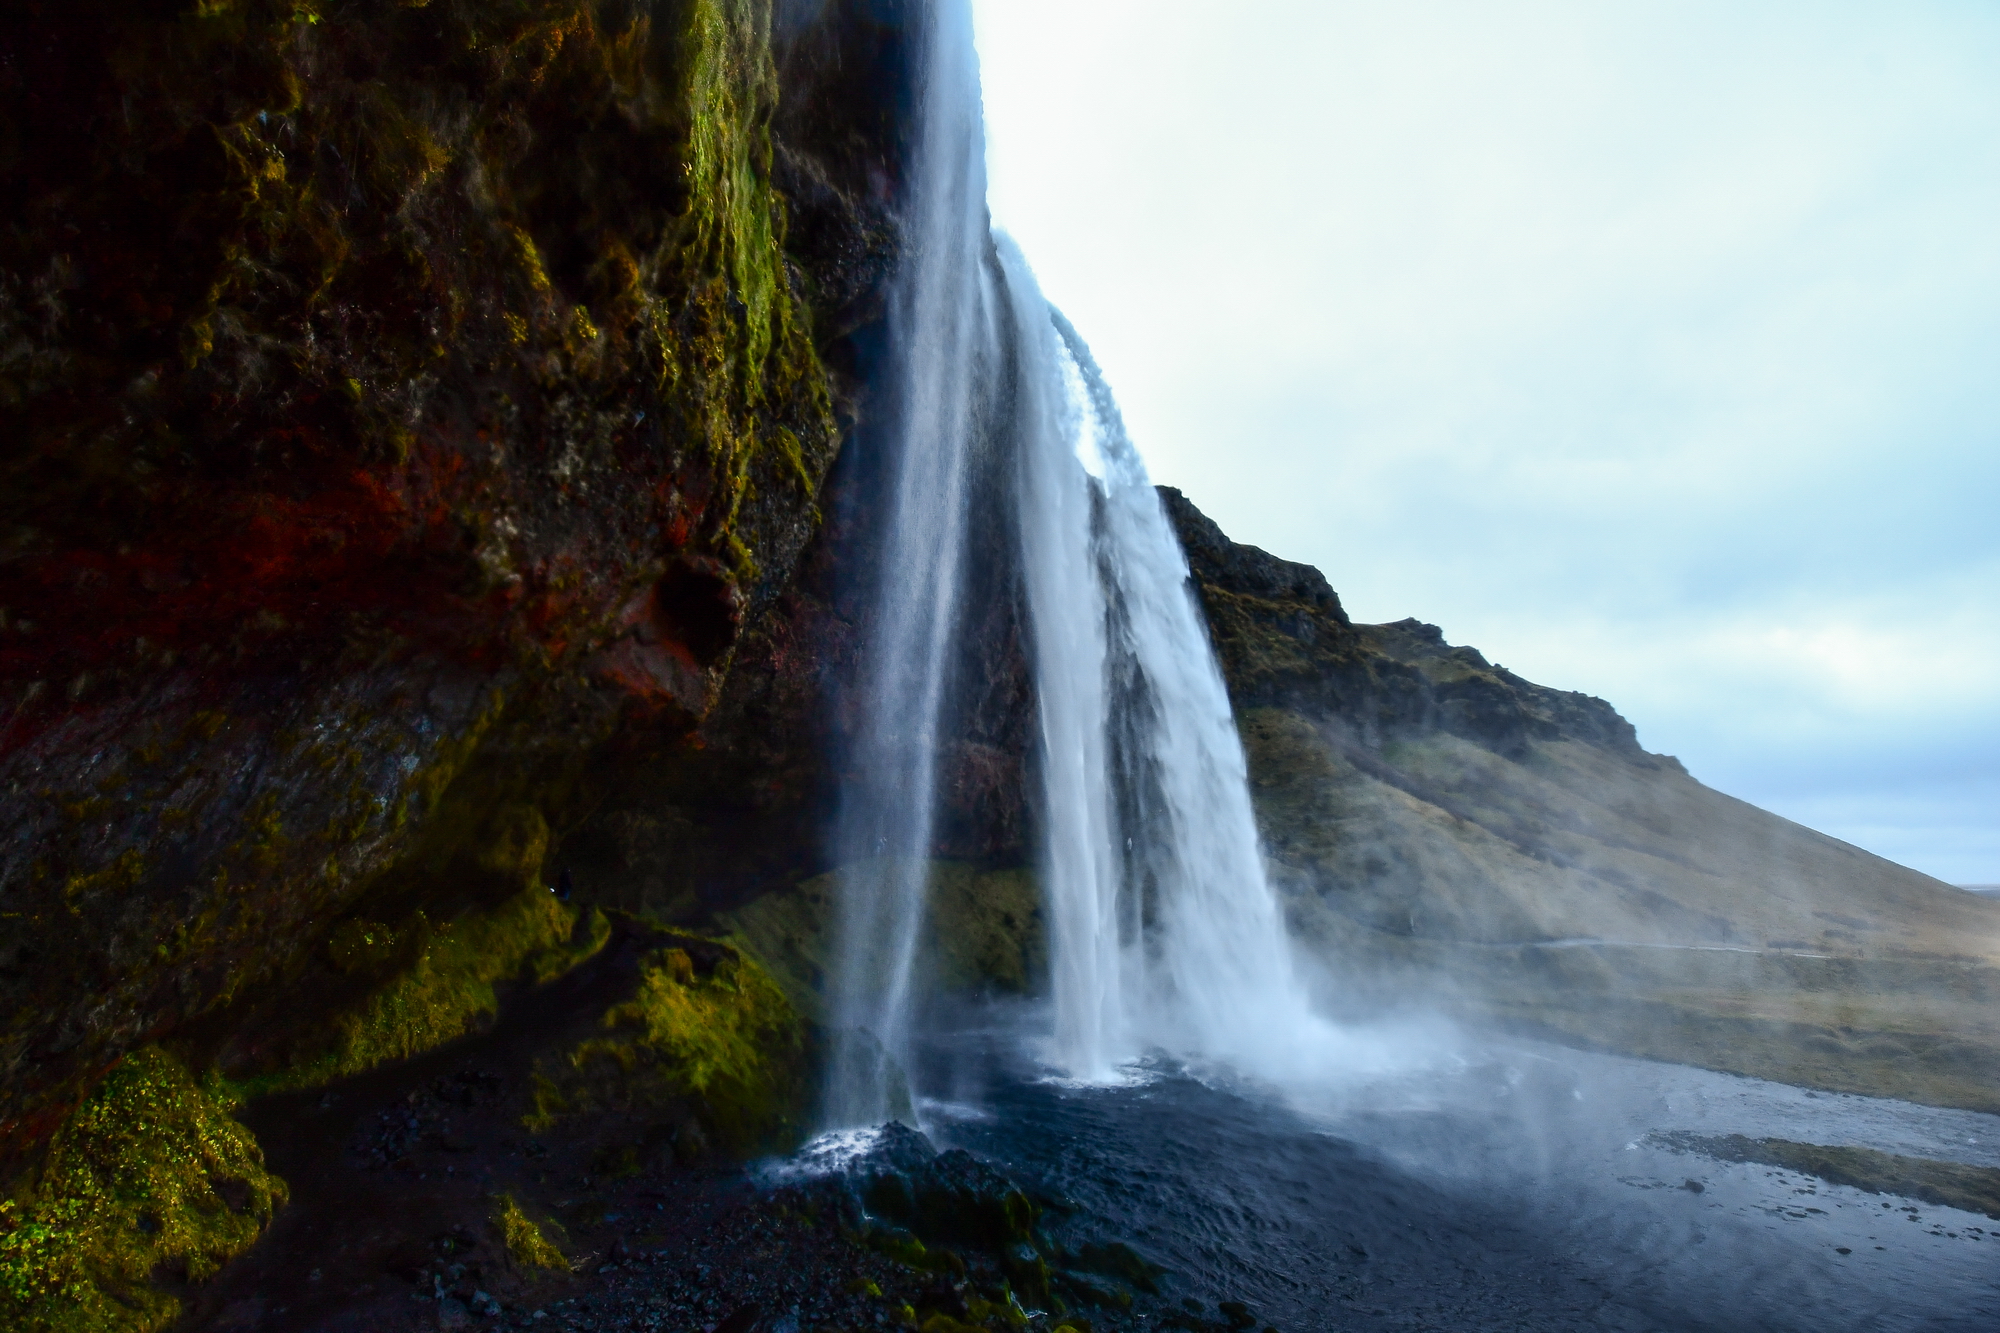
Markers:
{"x": 1651, "y": 348}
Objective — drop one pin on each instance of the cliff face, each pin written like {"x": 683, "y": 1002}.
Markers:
{"x": 408, "y": 408}
{"x": 1284, "y": 641}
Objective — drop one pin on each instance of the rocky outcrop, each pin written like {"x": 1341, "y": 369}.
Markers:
{"x": 410, "y": 410}
{"x": 1284, "y": 641}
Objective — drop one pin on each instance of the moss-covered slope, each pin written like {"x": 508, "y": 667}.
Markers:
{"x": 405, "y": 409}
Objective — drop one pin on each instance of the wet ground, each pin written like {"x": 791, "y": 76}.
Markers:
{"x": 1498, "y": 1186}
{"x": 394, "y": 1178}
{"x": 1492, "y": 1186}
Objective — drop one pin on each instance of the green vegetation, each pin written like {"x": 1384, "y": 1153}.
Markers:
{"x": 910, "y": 1252}
{"x": 717, "y": 1035}
{"x": 526, "y": 1245}
{"x": 448, "y": 986}
{"x": 981, "y": 1316}
{"x": 983, "y": 930}
{"x": 393, "y": 327}
{"x": 151, "y": 1173}
{"x": 1972, "y": 1189}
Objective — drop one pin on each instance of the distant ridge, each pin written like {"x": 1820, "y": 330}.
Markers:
{"x": 1437, "y": 826}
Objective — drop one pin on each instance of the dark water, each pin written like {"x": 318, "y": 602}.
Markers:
{"x": 1492, "y": 1186}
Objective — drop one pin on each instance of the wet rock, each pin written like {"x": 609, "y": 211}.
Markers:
{"x": 1237, "y": 1314}
{"x": 1118, "y": 1260}
{"x": 1028, "y": 1272}
{"x": 903, "y": 1149}
{"x": 958, "y": 1197}
{"x": 944, "y": 1298}
{"x": 452, "y": 1314}
{"x": 890, "y": 1195}
{"x": 887, "y": 1173}
{"x": 1084, "y": 1291}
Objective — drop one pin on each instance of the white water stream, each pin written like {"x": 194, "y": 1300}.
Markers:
{"x": 941, "y": 323}
{"x": 1163, "y": 931}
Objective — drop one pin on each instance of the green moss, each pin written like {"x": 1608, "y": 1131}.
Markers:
{"x": 516, "y": 848}
{"x": 944, "y": 1323}
{"x": 983, "y": 930}
{"x": 149, "y": 1173}
{"x": 448, "y": 987}
{"x": 986, "y": 928}
{"x": 526, "y": 1245}
{"x": 759, "y": 343}
{"x": 121, "y": 876}
{"x": 721, "y": 1037}
{"x": 907, "y": 1250}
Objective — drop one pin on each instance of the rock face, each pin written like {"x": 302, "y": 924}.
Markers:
{"x": 409, "y": 409}
{"x": 1284, "y": 641}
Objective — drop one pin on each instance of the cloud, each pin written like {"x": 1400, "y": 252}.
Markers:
{"x": 1649, "y": 347}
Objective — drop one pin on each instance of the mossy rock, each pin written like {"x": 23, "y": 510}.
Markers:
{"x": 376, "y": 362}
{"x": 150, "y": 1173}
{"x": 442, "y": 982}
{"x": 960, "y": 1198}
{"x": 528, "y": 1249}
{"x": 1118, "y": 1260}
{"x": 706, "y": 1028}
{"x": 983, "y": 930}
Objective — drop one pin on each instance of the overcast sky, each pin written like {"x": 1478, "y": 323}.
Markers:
{"x": 1651, "y": 348}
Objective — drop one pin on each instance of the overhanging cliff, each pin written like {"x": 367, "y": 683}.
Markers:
{"x": 408, "y": 407}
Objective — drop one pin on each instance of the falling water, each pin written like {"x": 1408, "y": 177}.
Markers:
{"x": 945, "y": 340}
{"x": 1069, "y": 641}
{"x": 1163, "y": 930}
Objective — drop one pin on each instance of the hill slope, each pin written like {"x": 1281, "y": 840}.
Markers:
{"x": 1437, "y": 824}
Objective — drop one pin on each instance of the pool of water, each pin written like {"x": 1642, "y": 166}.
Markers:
{"x": 1490, "y": 1184}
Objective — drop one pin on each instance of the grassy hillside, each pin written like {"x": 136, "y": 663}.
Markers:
{"x": 1442, "y": 829}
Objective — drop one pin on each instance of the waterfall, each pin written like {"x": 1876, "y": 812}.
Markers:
{"x": 1210, "y": 967}
{"x": 1069, "y": 640}
{"x": 1163, "y": 931}
{"x": 941, "y": 326}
